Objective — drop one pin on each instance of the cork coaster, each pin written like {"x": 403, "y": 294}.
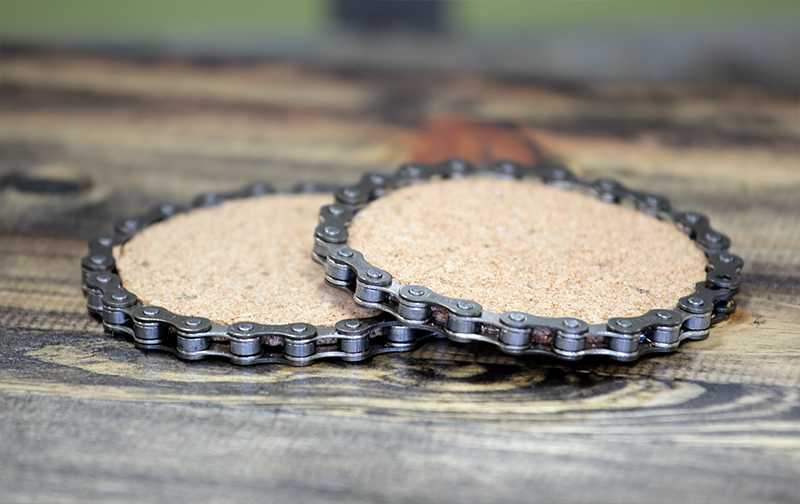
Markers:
{"x": 518, "y": 245}
{"x": 247, "y": 259}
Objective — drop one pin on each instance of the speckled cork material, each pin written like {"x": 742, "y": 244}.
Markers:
{"x": 244, "y": 260}
{"x": 516, "y": 245}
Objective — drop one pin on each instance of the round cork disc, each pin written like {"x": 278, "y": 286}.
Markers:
{"x": 247, "y": 260}
{"x": 523, "y": 246}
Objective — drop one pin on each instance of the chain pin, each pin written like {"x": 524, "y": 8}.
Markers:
{"x": 695, "y": 301}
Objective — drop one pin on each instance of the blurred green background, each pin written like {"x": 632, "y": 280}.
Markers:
{"x": 678, "y": 41}
{"x": 138, "y": 20}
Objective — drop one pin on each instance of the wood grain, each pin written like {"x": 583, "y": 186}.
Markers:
{"x": 85, "y": 417}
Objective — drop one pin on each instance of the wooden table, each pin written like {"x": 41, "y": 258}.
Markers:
{"x": 85, "y": 417}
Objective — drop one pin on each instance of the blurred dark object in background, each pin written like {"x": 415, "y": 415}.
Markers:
{"x": 732, "y": 42}
{"x": 391, "y": 15}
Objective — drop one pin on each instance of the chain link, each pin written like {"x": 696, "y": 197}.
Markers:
{"x": 461, "y": 320}
{"x": 193, "y": 338}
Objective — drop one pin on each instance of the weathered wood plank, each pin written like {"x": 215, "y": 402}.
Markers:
{"x": 86, "y": 417}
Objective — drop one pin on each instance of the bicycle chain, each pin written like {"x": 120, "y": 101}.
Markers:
{"x": 193, "y": 338}
{"x": 461, "y": 320}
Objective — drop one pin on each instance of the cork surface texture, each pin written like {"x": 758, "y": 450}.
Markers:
{"x": 244, "y": 260}
{"x": 517, "y": 245}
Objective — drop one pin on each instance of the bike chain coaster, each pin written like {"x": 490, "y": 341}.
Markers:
{"x": 435, "y": 243}
{"x": 222, "y": 276}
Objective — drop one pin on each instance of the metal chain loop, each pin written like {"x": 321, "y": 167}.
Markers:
{"x": 461, "y": 320}
{"x": 193, "y": 338}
